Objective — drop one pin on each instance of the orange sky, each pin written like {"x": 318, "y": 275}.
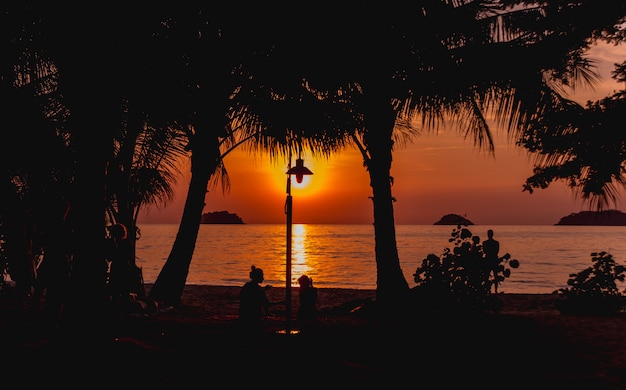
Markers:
{"x": 436, "y": 175}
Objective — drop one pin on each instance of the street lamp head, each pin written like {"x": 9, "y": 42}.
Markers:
{"x": 299, "y": 170}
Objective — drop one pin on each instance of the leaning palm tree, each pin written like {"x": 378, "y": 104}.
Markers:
{"x": 165, "y": 74}
{"x": 204, "y": 45}
{"x": 206, "y": 48}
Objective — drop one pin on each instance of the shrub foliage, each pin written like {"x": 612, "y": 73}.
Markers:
{"x": 461, "y": 279}
{"x": 594, "y": 290}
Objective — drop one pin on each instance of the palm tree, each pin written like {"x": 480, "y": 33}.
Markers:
{"x": 433, "y": 41}
{"x": 381, "y": 101}
{"x": 142, "y": 172}
{"x": 160, "y": 82}
{"x": 454, "y": 60}
{"x": 210, "y": 47}
{"x": 486, "y": 75}
{"x": 204, "y": 45}
{"x": 43, "y": 171}
{"x": 94, "y": 80}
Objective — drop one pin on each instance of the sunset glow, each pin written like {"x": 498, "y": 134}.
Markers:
{"x": 436, "y": 175}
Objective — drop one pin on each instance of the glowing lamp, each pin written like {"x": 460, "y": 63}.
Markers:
{"x": 299, "y": 170}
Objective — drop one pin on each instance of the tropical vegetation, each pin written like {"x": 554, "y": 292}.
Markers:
{"x": 461, "y": 279}
{"x": 111, "y": 101}
{"x": 594, "y": 290}
{"x": 502, "y": 62}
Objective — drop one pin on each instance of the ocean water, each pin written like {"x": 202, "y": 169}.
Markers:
{"x": 342, "y": 256}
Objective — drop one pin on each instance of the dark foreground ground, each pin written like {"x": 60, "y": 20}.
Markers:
{"x": 199, "y": 344}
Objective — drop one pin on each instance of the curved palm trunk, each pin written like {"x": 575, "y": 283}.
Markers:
{"x": 169, "y": 286}
{"x": 391, "y": 285}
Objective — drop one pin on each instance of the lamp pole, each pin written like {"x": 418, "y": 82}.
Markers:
{"x": 289, "y": 213}
{"x": 299, "y": 170}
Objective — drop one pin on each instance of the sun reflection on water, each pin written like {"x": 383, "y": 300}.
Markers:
{"x": 300, "y": 263}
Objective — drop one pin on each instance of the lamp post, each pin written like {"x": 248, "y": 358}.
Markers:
{"x": 299, "y": 170}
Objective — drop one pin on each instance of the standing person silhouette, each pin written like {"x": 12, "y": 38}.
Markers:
{"x": 253, "y": 302}
{"x": 491, "y": 248}
{"x": 308, "y": 300}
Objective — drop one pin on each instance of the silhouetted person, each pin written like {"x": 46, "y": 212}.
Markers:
{"x": 477, "y": 273}
{"x": 123, "y": 273}
{"x": 308, "y": 300}
{"x": 491, "y": 248}
{"x": 476, "y": 254}
{"x": 475, "y": 244}
{"x": 253, "y": 302}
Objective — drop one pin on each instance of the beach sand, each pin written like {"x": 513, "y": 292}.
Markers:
{"x": 198, "y": 343}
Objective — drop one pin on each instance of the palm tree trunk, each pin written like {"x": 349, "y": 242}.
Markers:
{"x": 391, "y": 285}
{"x": 169, "y": 286}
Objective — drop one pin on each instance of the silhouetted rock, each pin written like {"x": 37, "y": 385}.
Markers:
{"x": 453, "y": 219}
{"x": 221, "y": 217}
{"x": 605, "y": 218}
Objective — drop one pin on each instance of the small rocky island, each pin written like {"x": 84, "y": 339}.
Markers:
{"x": 221, "y": 217}
{"x": 598, "y": 218}
{"x": 453, "y": 219}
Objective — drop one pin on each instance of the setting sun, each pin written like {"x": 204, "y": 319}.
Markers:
{"x": 311, "y": 185}
{"x": 306, "y": 181}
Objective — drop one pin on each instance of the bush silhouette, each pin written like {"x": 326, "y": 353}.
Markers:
{"x": 594, "y": 290}
{"x": 460, "y": 279}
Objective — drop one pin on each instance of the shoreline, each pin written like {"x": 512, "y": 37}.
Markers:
{"x": 216, "y": 301}
{"x": 345, "y": 255}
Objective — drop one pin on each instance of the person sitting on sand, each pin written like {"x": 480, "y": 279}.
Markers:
{"x": 308, "y": 299}
{"x": 253, "y": 302}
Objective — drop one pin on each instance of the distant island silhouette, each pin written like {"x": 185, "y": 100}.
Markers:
{"x": 453, "y": 219}
{"x": 221, "y": 217}
{"x": 600, "y": 218}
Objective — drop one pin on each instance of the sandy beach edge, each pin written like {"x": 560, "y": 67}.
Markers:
{"x": 215, "y": 301}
